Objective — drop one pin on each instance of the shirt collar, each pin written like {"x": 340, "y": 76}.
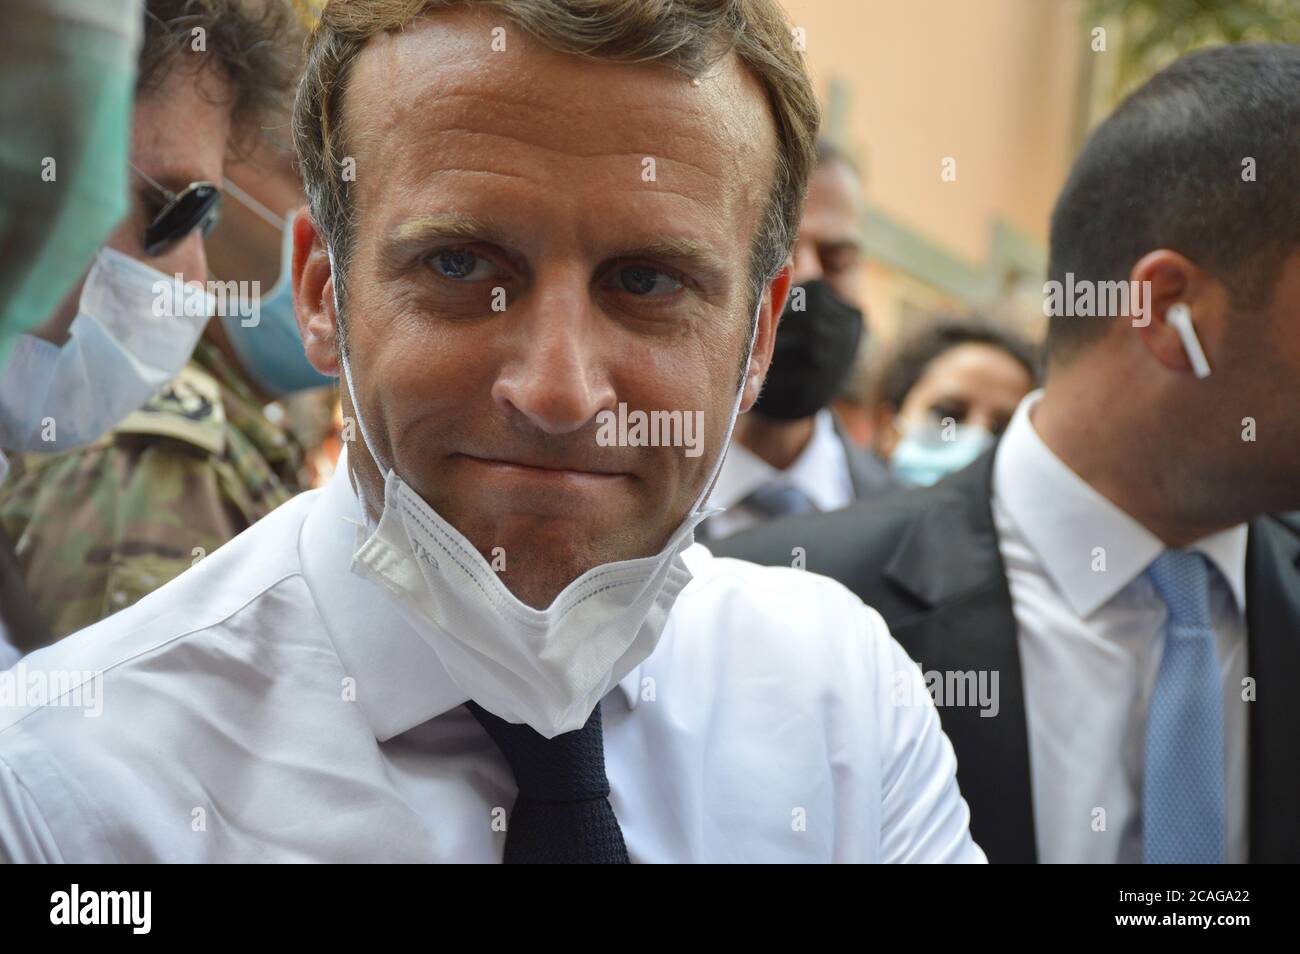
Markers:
{"x": 814, "y": 471}
{"x": 399, "y": 682}
{"x": 1064, "y": 520}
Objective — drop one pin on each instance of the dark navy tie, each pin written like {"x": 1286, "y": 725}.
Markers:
{"x": 562, "y": 814}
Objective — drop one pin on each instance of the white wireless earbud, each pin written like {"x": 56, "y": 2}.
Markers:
{"x": 1180, "y": 316}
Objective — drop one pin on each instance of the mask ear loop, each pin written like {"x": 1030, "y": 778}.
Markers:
{"x": 283, "y": 224}
{"x": 697, "y": 508}
{"x": 352, "y": 397}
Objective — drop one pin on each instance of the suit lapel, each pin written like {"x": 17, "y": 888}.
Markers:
{"x": 950, "y": 563}
{"x": 1273, "y": 647}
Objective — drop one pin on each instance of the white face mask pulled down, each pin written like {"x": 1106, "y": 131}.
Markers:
{"x": 118, "y": 353}
{"x": 545, "y": 668}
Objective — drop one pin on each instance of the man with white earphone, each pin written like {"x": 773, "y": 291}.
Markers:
{"x": 1122, "y": 560}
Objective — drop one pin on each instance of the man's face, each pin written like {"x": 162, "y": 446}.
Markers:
{"x": 179, "y": 134}
{"x": 829, "y": 246}
{"x": 608, "y": 208}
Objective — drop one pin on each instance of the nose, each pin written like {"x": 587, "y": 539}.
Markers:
{"x": 188, "y": 257}
{"x": 555, "y": 376}
{"x": 982, "y": 417}
{"x": 806, "y": 264}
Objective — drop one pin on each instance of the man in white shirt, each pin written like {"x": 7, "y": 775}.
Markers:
{"x": 1121, "y": 563}
{"x": 490, "y": 637}
{"x": 751, "y": 490}
{"x": 270, "y": 705}
{"x": 1090, "y": 623}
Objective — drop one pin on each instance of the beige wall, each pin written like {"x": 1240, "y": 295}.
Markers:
{"x": 990, "y": 83}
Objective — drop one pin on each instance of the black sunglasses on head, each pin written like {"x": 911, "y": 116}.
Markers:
{"x": 198, "y": 205}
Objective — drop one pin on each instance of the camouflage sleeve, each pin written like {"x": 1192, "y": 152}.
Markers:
{"x": 97, "y": 529}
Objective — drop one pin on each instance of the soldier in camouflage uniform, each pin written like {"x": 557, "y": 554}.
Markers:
{"x": 98, "y": 528}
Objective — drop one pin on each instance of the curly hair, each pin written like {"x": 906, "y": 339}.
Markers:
{"x": 255, "y": 45}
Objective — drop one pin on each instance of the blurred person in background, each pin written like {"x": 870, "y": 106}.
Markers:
{"x": 96, "y": 528}
{"x": 1125, "y": 561}
{"x": 944, "y": 395}
{"x": 67, "y": 79}
{"x": 852, "y": 406}
{"x": 255, "y": 242}
{"x": 790, "y": 453}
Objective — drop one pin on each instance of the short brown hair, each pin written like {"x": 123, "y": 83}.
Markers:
{"x": 687, "y": 35}
{"x": 1165, "y": 170}
{"x": 252, "y": 43}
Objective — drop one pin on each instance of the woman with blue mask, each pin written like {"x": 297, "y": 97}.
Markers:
{"x": 945, "y": 396}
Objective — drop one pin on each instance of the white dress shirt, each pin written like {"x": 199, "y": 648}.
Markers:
{"x": 9, "y": 654}
{"x": 821, "y": 471}
{"x": 1090, "y": 644}
{"x": 269, "y": 705}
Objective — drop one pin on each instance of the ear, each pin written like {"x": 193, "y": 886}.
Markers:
{"x": 769, "y": 314}
{"x": 1166, "y": 278}
{"x": 313, "y": 298}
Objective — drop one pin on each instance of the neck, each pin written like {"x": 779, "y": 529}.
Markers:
{"x": 1113, "y": 445}
{"x": 215, "y": 333}
{"x": 779, "y": 443}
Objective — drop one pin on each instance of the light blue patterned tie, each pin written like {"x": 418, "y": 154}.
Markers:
{"x": 1182, "y": 789}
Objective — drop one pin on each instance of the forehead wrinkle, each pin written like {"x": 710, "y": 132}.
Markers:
{"x": 452, "y": 39}
{"x": 680, "y": 141}
{"x": 713, "y": 205}
{"x": 722, "y": 132}
{"x": 712, "y": 196}
{"x": 506, "y": 87}
{"x": 466, "y": 225}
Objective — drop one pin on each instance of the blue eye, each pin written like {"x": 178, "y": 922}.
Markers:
{"x": 459, "y": 264}
{"x": 644, "y": 281}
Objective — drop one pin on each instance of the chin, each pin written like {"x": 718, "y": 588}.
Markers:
{"x": 538, "y": 566}
{"x": 539, "y": 590}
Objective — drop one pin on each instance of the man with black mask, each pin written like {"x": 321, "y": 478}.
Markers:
{"x": 790, "y": 453}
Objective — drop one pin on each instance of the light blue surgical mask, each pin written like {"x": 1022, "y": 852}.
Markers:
{"x": 931, "y": 451}
{"x": 271, "y": 350}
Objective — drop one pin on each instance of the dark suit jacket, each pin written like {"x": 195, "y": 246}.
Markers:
{"x": 868, "y": 474}
{"x": 928, "y": 560}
